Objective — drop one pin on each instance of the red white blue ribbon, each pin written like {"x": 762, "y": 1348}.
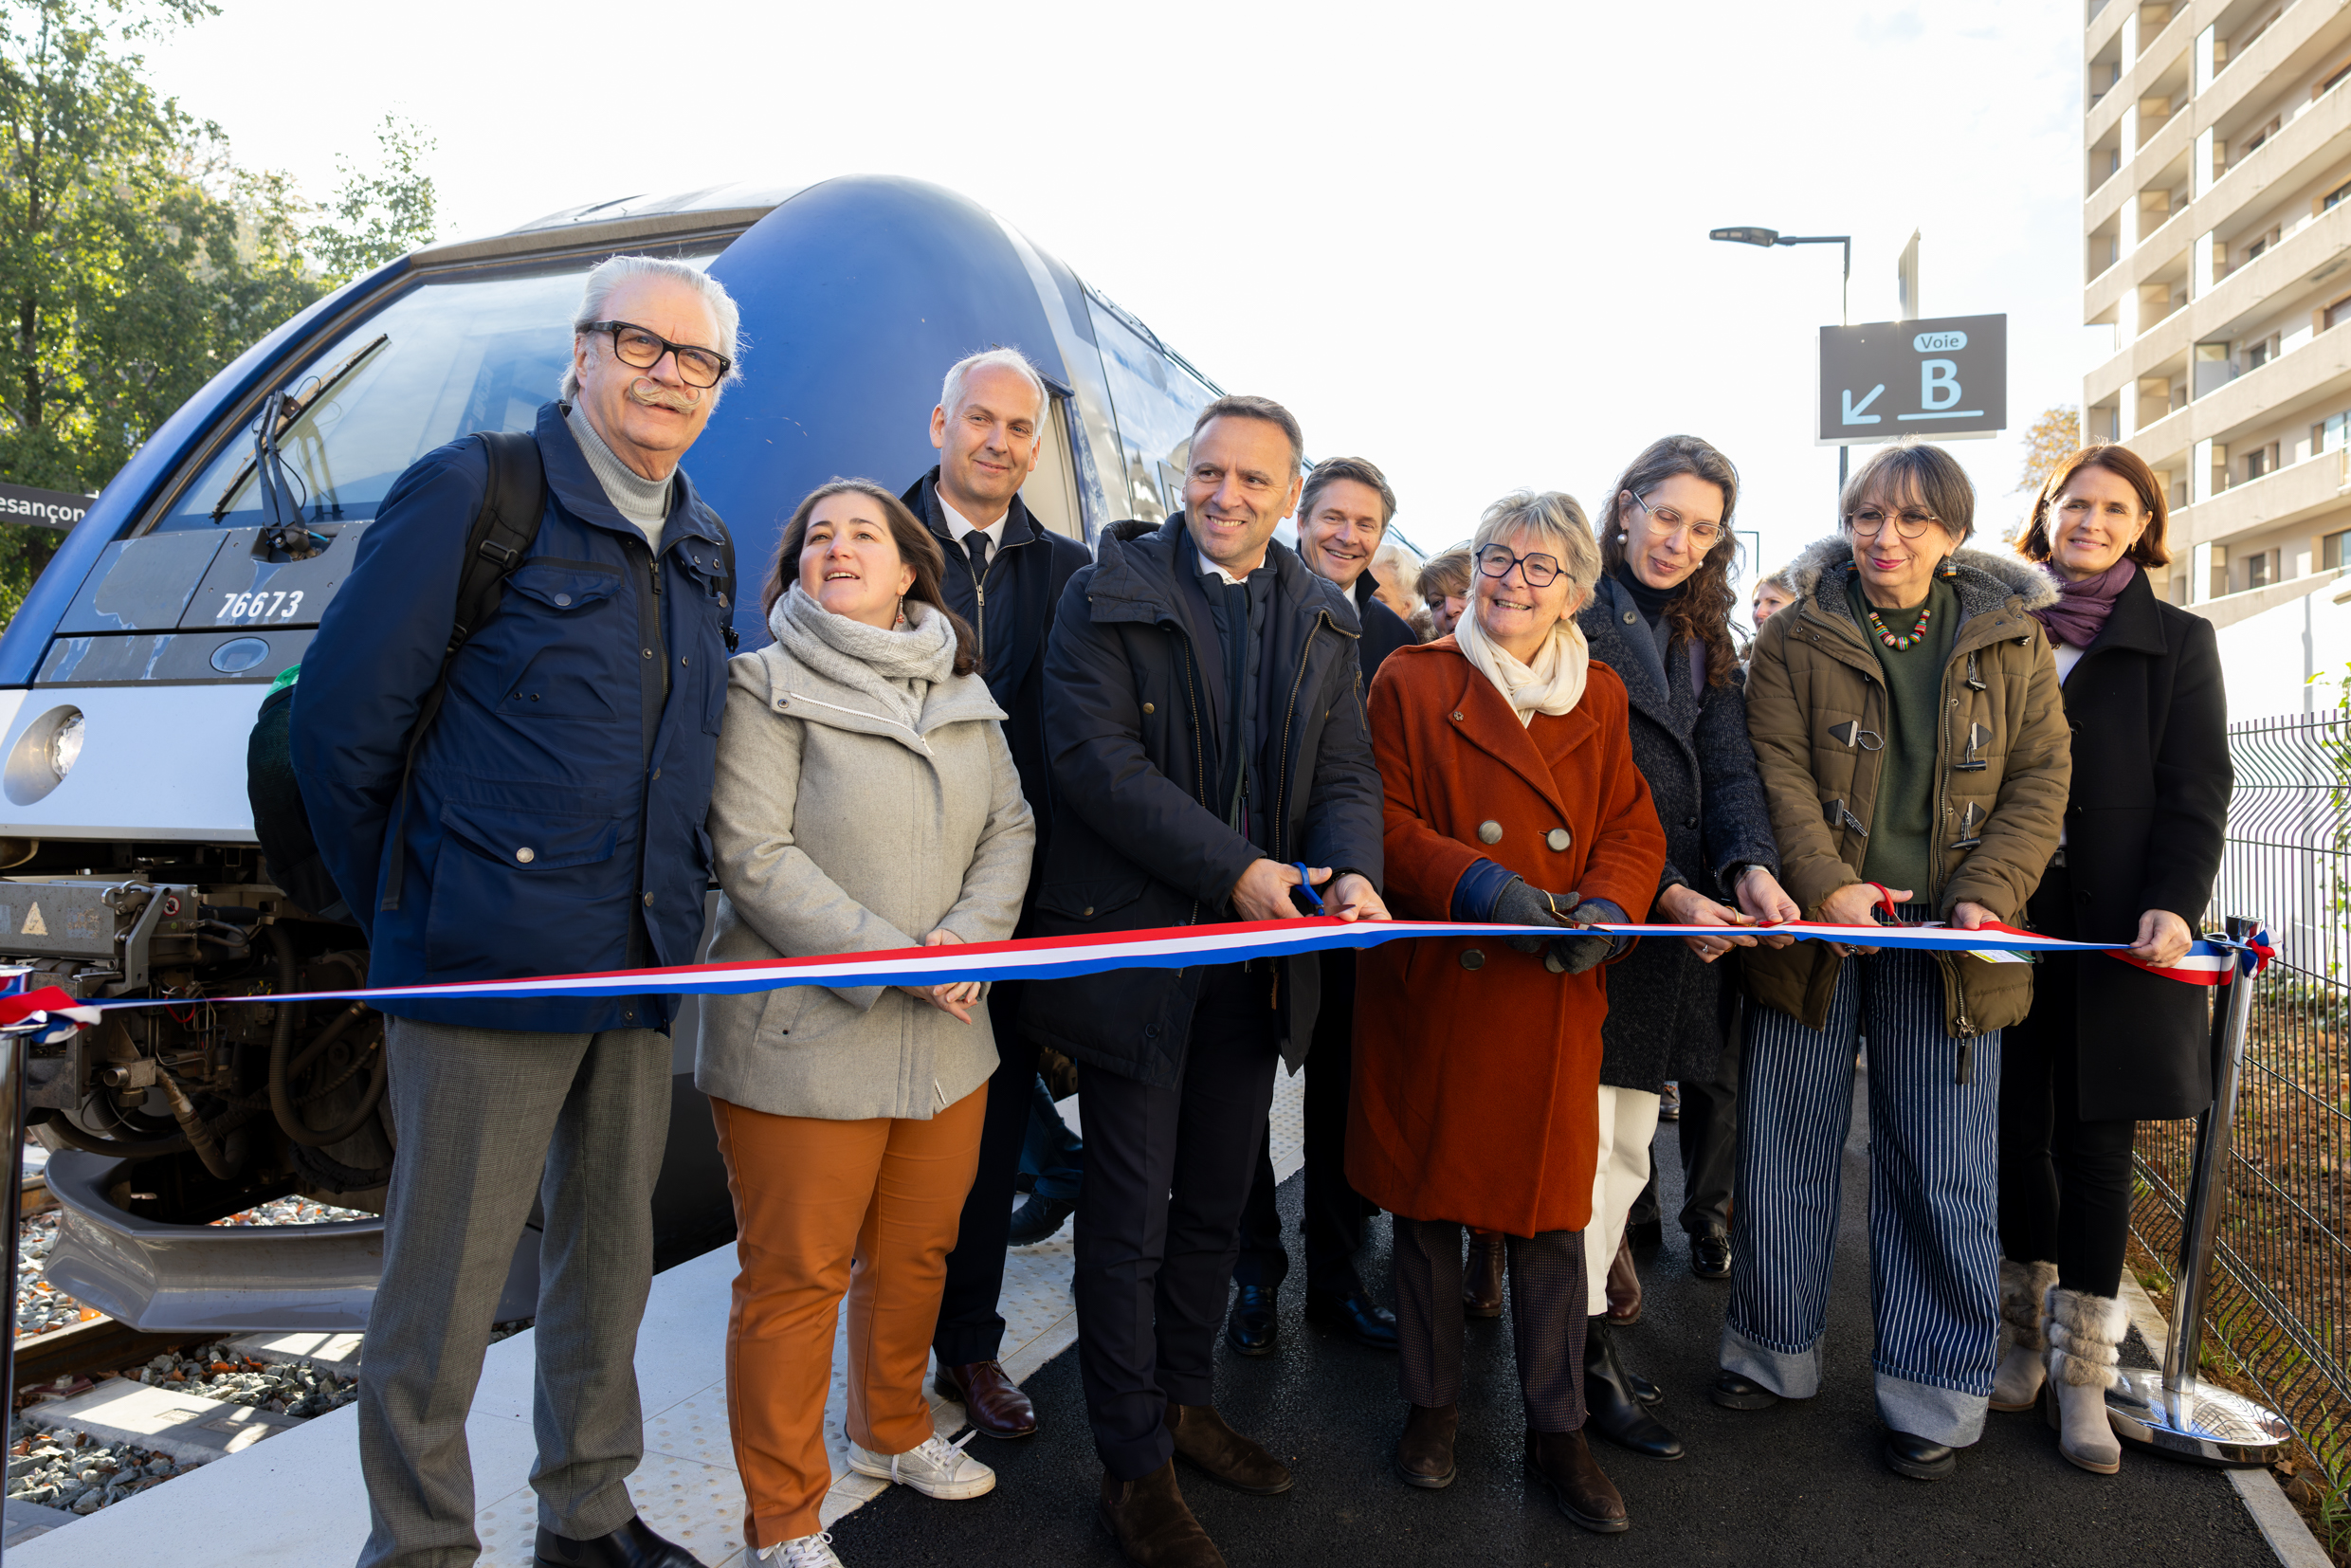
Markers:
{"x": 1175, "y": 947}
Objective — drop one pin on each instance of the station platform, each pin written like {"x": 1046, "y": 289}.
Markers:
{"x": 1797, "y": 1484}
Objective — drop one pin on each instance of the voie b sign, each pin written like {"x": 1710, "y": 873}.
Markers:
{"x": 1945, "y": 377}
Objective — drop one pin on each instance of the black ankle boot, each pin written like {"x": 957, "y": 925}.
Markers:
{"x": 1614, "y": 1412}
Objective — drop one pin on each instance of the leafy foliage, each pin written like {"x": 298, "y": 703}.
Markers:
{"x": 2055, "y": 436}
{"x": 137, "y": 260}
{"x": 381, "y": 215}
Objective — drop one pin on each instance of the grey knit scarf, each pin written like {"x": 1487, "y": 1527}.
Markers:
{"x": 896, "y": 669}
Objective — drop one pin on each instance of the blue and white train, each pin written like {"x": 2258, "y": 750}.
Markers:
{"x": 130, "y": 678}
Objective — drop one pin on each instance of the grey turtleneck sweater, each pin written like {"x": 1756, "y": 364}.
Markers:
{"x": 642, "y": 501}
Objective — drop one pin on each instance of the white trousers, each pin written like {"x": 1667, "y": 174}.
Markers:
{"x": 1627, "y": 1123}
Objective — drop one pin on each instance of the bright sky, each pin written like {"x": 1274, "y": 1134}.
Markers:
{"x": 1467, "y": 242}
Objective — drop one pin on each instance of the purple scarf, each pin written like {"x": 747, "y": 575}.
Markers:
{"x": 2081, "y": 606}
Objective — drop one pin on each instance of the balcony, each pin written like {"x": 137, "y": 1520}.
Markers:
{"x": 2295, "y": 493}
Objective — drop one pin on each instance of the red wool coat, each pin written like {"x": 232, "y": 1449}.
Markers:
{"x": 1477, "y": 1069}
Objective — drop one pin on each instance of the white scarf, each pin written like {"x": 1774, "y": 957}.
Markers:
{"x": 1552, "y": 684}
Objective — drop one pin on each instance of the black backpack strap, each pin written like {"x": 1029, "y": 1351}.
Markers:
{"x": 503, "y": 533}
{"x": 726, "y": 554}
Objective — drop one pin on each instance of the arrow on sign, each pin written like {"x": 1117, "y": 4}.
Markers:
{"x": 1853, "y": 414}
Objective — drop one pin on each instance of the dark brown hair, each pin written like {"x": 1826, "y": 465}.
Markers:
{"x": 915, "y": 547}
{"x": 1243, "y": 406}
{"x": 1363, "y": 471}
{"x": 1702, "y": 611}
{"x": 2126, "y": 464}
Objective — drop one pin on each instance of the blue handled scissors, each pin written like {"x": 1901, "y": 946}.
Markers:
{"x": 1304, "y": 891}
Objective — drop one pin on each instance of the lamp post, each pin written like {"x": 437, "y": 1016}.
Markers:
{"x": 1769, "y": 237}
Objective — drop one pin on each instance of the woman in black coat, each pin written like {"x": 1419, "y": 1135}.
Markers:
{"x": 1660, "y": 617}
{"x": 2106, "y": 1045}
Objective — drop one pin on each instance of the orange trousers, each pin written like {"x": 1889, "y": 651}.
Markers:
{"x": 823, "y": 1209}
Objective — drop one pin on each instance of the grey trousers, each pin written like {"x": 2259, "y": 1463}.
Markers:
{"x": 485, "y": 1121}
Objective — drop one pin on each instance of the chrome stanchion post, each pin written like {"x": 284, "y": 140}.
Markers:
{"x": 2172, "y": 1412}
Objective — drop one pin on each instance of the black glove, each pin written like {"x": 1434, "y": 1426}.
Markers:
{"x": 1522, "y": 905}
{"x": 1573, "y": 955}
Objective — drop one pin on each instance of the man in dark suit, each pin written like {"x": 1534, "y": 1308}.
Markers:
{"x": 1206, "y": 719}
{"x": 1005, "y": 575}
{"x": 1342, "y": 517}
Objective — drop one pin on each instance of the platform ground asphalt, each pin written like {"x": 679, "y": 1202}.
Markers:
{"x": 1798, "y": 1485}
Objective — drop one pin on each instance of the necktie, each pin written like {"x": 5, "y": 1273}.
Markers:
{"x": 977, "y": 543}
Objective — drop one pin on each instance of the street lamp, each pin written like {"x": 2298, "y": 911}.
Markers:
{"x": 1767, "y": 238}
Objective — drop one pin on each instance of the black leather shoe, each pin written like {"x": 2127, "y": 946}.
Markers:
{"x": 1916, "y": 1457}
{"x": 1358, "y": 1319}
{"x": 1250, "y": 1328}
{"x": 1710, "y": 1255}
{"x": 1646, "y": 1235}
{"x": 1643, "y": 1389}
{"x": 1612, "y": 1411}
{"x": 633, "y": 1546}
{"x": 1732, "y": 1392}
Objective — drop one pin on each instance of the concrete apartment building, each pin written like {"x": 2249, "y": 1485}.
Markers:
{"x": 2216, "y": 224}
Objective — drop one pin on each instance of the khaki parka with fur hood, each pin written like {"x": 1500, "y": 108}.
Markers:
{"x": 2003, "y": 762}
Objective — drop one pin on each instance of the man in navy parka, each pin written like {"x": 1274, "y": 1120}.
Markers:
{"x": 554, "y": 825}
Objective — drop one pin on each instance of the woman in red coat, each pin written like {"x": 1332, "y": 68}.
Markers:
{"x": 1511, "y": 796}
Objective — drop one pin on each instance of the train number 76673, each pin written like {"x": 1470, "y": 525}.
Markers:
{"x": 280, "y": 606}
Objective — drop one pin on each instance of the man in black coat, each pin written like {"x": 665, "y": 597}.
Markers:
{"x": 1342, "y": 517}
{"x": 1204, "y": 713}
{"x": 1005, "y": 574}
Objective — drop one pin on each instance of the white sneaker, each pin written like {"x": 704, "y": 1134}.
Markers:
{"x": 802, "y": 1552}
{"x": 937, "y": 1469}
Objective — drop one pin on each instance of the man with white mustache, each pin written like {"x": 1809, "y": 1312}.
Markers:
{"x": 530, "y": 803}
{"x": 1343, "y": 514}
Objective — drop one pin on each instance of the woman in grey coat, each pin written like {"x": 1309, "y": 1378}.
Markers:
{"x": 865, "y": 800}
{"x": 1660, "y": 617}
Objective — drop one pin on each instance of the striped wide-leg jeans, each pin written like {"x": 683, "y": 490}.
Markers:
{"x": 1933, "y": 1197}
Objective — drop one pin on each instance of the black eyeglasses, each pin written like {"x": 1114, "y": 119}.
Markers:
{"x": 1496, "y": 560}
{"x": 641, "y": 350}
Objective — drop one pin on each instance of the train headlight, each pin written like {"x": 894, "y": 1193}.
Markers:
{"x": 45, "y": 752}
{"x": 65, "y": 747}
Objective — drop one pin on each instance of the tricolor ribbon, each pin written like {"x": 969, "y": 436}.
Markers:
{"x": 2209, "y": 962}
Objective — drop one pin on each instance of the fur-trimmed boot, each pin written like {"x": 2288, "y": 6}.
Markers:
{"x": 2084, "y": 1342}
{"x": 2024, "y": 1293}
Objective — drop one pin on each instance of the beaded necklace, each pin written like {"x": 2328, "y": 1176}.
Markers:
{"x": 1886, "y": 635}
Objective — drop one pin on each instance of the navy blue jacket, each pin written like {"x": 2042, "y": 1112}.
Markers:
{"x": 1384, "y": 631}
{"x": 1024, "y": 581}
{"x": 554, "y": 824}
{"x": 1137, "y": 720}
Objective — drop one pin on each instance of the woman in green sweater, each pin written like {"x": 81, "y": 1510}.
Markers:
{"x": 1914, "y": 751}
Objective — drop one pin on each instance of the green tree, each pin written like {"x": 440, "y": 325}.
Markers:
{"x": 378, "y": 215}
{"x": 136, "y": 259}
{"x": 2048, "y": 441}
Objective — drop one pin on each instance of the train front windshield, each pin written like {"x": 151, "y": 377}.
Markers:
{"x": 442, "y": 359}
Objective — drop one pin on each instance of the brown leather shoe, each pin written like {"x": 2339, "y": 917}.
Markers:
{"x": 1424, "y": 1454}
{"x": 1203, "y": 1437}
{"x": 1153, "y": 1524}
{"x": 1564, "y": 1460}
{"x": 993, "y": 1401}
{"x": 1481, "y": 1285}
{"x": 1623, "y": 1286}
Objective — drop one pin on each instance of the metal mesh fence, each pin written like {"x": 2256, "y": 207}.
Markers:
{"x": 2281, "y": 1268}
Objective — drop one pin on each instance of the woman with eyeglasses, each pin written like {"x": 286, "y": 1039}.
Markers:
{"x": 2107, "y": 1045}
{"x": 1511, "y": 796}
{"x": 1914, "y": 756}
{"x": 1660, "y": 618}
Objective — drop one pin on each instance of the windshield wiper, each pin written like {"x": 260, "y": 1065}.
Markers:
{"x": 279, "y": 411}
